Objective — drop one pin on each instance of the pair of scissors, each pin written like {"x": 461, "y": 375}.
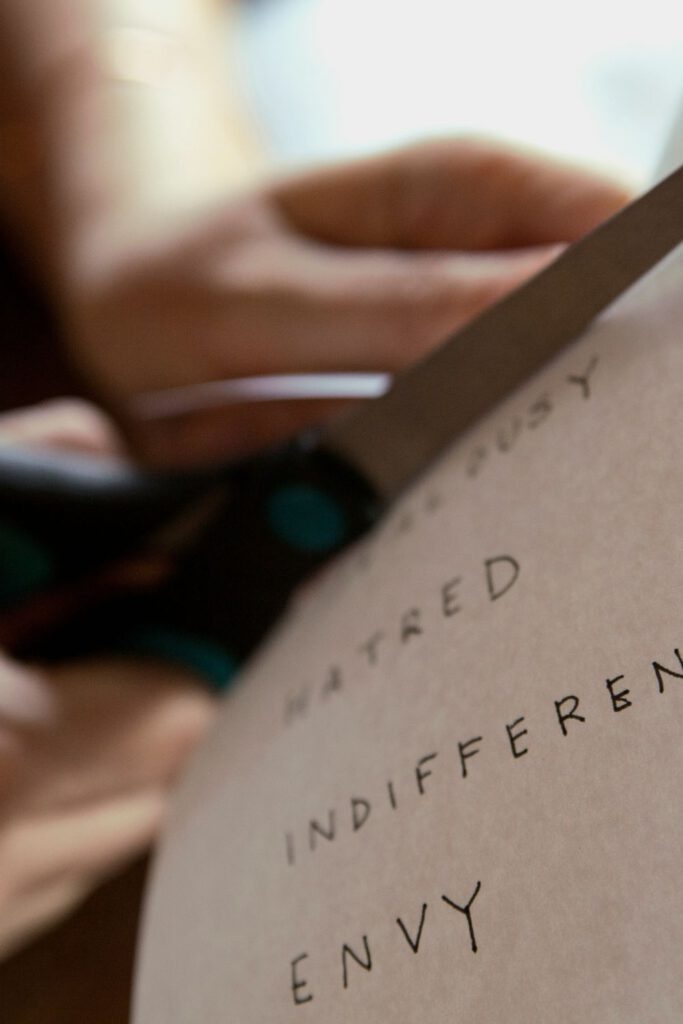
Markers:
{"x": 269, "y": 521}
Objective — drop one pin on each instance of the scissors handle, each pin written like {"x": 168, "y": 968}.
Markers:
{"x": 275, "y": 519}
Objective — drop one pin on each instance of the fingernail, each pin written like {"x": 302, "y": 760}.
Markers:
{"x": 556, "y": 250}
{"x": 25, "y": 696}
{"x": 541, "y": 253}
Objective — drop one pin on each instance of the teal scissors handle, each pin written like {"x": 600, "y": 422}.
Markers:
{"x": 276, "y": 518}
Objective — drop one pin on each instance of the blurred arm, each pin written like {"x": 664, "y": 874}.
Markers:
{"x": 116, "y": 112}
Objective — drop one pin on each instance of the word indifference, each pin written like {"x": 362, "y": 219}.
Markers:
{"x": 356, "y": 955}
{"x": 512, "y": 735}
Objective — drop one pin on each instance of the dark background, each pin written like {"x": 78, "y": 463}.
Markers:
{"x": 81, "y": 971}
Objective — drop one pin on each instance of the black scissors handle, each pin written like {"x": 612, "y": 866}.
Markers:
{"x": 274, "y": 520}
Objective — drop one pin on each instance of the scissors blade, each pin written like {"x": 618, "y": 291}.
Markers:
{"x": 392, "y": 438}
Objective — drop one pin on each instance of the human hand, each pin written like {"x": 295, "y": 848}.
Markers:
{"x": 88, "y": 751}
{"x": 360, "y": 267}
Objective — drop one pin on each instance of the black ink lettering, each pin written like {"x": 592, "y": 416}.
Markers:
{"x": 413, "y": 943}
{"x": 410, "y": 624}
{"x": 392, "y": 795}
{"x": 315, "y": 829}
{"x": 661, "y": 671}
{"x": 619, "y": 700}
{"x": 562, "y": 717}
{"x": 582, "y": 380}
{"x": 298, "y": 982}
{"x": 433, "y": 502}
{"x": 497, "y": 587}
{"x": 539, "y": 411}
{"x": 405, "y": 523}
{"x": 360, "y": 811}
{"x": 476, "y": 461}
{"x": 449, "y": 597}
{"x": 467, "y": 912}
{"x": 466, "y": 753}
{"x": 514, "y": 736}
{"x": 289, "y": 840}
{"x": 421, "y": 775}
{"x": 348, "y": 952}
{"x": 370, "y": 647}
{"x": 333, "y": 682}
{"x": 505, "y": 439}
{"x": 297, "y": 705}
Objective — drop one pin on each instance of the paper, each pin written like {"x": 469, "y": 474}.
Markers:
{"x": 448, "y": 789}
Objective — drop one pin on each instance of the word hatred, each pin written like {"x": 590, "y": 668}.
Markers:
{"x": 499, "y": 574}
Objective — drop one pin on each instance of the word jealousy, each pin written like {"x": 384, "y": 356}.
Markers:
{"x": 494, "y": 440}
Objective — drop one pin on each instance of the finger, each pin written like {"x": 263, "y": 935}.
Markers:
{"x": 40, "y": 909}
{"x": 332, "y": 311}
{"x": 89, "y": 840}
{"x": 62, "y": 423}
{"x": 49, "y": 865}
{"x": 26, "y": 698}
{"x": 464, "y": 194}
{"x": 323, "y": 309}
{"x": 124, "y": 725}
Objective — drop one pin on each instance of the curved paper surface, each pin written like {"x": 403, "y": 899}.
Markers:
{"x": 482, "y": 704}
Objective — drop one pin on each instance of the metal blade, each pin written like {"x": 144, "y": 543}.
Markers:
{"x": 392, "y": 438}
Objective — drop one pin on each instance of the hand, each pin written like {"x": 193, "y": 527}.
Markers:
{"x": 363, "y": 266}
{"x": 88, "y": 751}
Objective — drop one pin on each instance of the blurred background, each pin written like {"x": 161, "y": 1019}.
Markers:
{"x": 595, "y": 80}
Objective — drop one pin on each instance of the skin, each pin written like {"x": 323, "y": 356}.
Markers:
{"x": 169, "y": 269}
{"x": 364, "y": 266}
{"x": 88, "y": 751}
{"x": 125, "y": 185}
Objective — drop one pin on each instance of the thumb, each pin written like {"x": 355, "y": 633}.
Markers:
{"x": 391, "y": 308}
{"x": 451, "y": 193}
{"x": 352, "y": 310}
